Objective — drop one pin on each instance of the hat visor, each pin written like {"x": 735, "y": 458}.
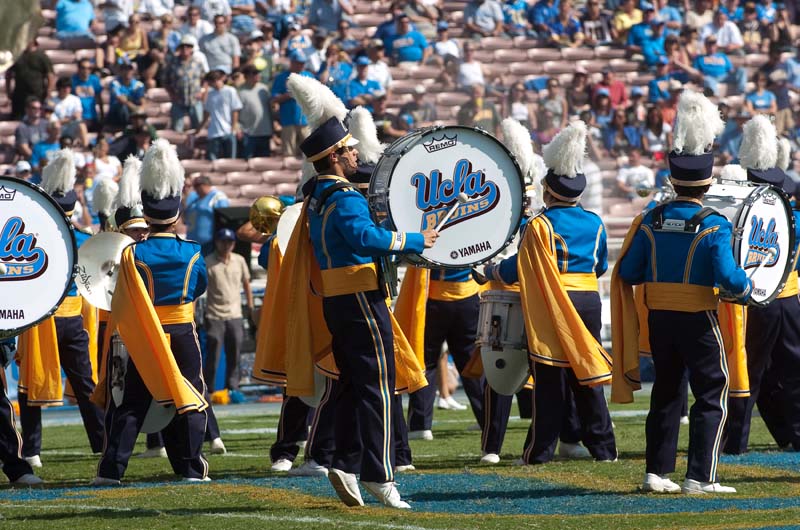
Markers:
{"x": 351, "y": 142}
{"x": 137, "y": 224}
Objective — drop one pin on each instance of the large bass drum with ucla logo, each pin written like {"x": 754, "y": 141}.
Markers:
{"x": 38, "y": 254}
{"x": 419, "y": 178}
{"x": 763, "y": 230}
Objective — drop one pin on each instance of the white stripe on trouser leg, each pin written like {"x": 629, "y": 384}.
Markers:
{"x": 723, "y": 398}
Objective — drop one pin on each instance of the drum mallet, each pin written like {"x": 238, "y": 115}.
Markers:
{"x": 462, "y": 199}
{"x": 770, "y": 254}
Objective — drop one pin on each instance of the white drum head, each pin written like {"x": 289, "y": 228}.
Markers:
{"x": 286, "y": 224}
{"x": 37, "y": 255}
{"x": 319, "y": 390}
{"x": 428, "y": 179}
{"x": 157, "y": 417}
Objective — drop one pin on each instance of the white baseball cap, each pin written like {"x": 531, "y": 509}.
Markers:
{"x": 22, "y": 165}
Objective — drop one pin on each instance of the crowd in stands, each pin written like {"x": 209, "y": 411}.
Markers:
{"x": 210, "y": 75}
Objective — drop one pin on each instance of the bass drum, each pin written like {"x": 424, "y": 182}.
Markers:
{"x": 419, "y": 179}
{"x": 286, "y": 225}
{"x": 502, "y": 343}
{"x": 38, "y": 255}
{"x": 763, "y": 229}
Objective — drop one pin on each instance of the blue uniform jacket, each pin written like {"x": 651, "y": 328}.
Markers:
{"x": 344, "y": 233}
{"x": 581, "y": 243}
{"x": 263, "y": 255}
{"x": 703, "y": 258}
{"x": 172, "y": 268}
{"x": 80, "y": 239}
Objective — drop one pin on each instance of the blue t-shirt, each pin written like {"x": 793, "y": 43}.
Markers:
{"x": 39, "y": 153}
{"x": 134, "y": 91}
{"x": 87, "y": 92}
{"x": 761, "y": 101}
{"x": 408, "y": 47}
{"x": 658, "y": 89}
{"x": 199, "y": 215}
{"x": 569, "y": 29}
{"x": 716, "y": 66}
{"x": 357, "y": 88}
{"x": 652, "y": 49}
{"x": 542, "y": 14}
{"x": 242, "y": 23}
{"x": 670, "y": 14}
{"x": 74, "y": 17}
{"x": 338, "y": 77}
{"x": 290, "y": 112}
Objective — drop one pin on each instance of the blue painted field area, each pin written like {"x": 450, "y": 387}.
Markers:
{"x": 789, "y": 461}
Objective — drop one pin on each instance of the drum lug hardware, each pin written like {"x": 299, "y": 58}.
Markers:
{"x": 496, "y": 332}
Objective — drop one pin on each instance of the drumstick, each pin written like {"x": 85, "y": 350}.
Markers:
{"x": 770, "y": 254}
{"x": 462, "y": 198}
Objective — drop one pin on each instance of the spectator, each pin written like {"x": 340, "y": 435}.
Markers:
{"x": 679, "y": 63}
{"x": 228, "y": 276}
{"x": 565, "y": 30}
{"x": 780, "y": 32}
{"x": 87, "y": 87}
{"x": 792, "y": 67}
{"x": 444, "y": 46}
{"x": 31, "y": 75}
{"x": 387, "y": 124}
{"x": 44, "y": 149}
{"x": 156, "y": 8}
{"x": 578, "y": 92}
{"x": 31, "y": 130}
{"x": 183, "y": 80}
{"x": 515, "y": 17}
{"x": 421, "y": 111}
{"x": 379, "y": 69}
{"x": 483, "y": 18}
{"x": 221, "y": 114}
{"x": 658, "y": 87}
{"x": 116, "y": 13}
{"x": 423, "y": 17}
{"x": 479, "y": 112}
{"x": 619, "y": 136}
{"x": 297, "y": 40}
{"x": 754, "y": 37}
{"x": 767, "y": 12}
{"x": 127, "y": 94}
{"x": 714, "y": 68}
{"x": 164, "y": 40}
{"x": 670, "y": 16}
{"x": 774, "y": 61}
{"x": 556, "y": 104}
{"x": 597, "y": 27}
{"x": 135, "y": 143}
{"x": 407, "y": 45}
{"x": 647, "y": 39}
{"x": 779, "y": 87}
{"x": 244, "y": 13}
{"x": 689, "y": 42}
{"x": 669, "y": 107}
{"x": 602, "y": 111}
{"x": 624, "y": 19}
{"x": 447, "y": 78}
{"x": 617, "y": 92}
{"x": 634, "y": 175}
{"x": 637, "y": 111}
{"x": 198, "y": 212}
{"x": 261, "y": 52}
{"x": 336, "y": 71}
{"x": 133, "y": 41}
{"x": 210, "y": 9}
{"x": 592, "y": 196}
{"x": 729, "y": 38}
{"x": 733, "y": 10}
{"x": 294, "y": 125}
{"x": 656, "y": 135}
{"x": 326, "y": 14}
{"x": 316, "y": 54}
{"x": 256, "y": 114}
{"x": 362, "y": 90}
{"x": 195, "y": 25}
{"x": 541, "y": 15}
{"x": 761, "y": 100}
{"x": 729, "y": 141}
{"x": 470, "y": 71}
{"x": 700, "y": 16}
{"x": 68, "y": 109}
{"x": 344, "y": 39}
{"x": 74, "y": 19}
{"x": 22, "y": 170}
{"x": 221, "y": 48}
{"x": 106, "y": 166}
{"x": 594, "y": 135}
{"x": 518, "y": 106}
{"x": 547, "y": 129}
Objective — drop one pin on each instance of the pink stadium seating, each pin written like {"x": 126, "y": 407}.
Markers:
{"x": 254, "y": 191}
{"x": 264, "y": 164}
{"x": 239, "y": 178}
{"x": 228, "y": 165}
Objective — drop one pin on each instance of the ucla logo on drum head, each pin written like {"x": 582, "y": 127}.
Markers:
{"x": 760, "y": 241}
{"x": 19, "y": 253}
{"x": 435, "y": 196}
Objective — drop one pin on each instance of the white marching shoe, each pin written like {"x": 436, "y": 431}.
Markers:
{"x": 282, "y": 464}
{"x": 309, "y": 468}
{"x": 28, "y": 479}
{"x": 659, "y": 484}
{"x": 405, "y": 468}
{"x": 695, "y": 487}
{"x": 34, "y": 461}
{"x": 387, "y": 493}
{"x": 684, "y": 420}
{"x": 568, "y": 450}
{"x": 346, "y": 487}
{"x": 153, "y": 452}
{"x": 490, "y": 459}
{"x": 100, "y": 482}
{"x": 217, "y": 447}
{"x": 420, "y": 435}
{"x": 196, "y": 479}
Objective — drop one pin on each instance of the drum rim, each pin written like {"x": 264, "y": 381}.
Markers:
{"x": 417, "y": 259}
{"x": 16, "y": 331}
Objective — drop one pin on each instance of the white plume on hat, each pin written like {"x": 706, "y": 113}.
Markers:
{"x": 162, "y": 172}
{"x": 105, "y": 193}
{"x": 784, "y": 154}
{"x": 696, "y": 125}
{"x": 565, "y": 153}
{"x": 318, "y": 102}
{"x": 518, "y": 140}
{"x": 362, "y": 127}
{"x": 58, "y": 176}
{"x": 129, "y": 193}
{"x": 733, "y": 173}
{"x": 759, "y": 148}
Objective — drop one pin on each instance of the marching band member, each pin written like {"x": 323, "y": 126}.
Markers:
{"x": 680, "y": 251}
{"x": 103, "y": 201}
{"x": 561, "y": 255}
{"x": 773, "y": 332}
{"x": 152, "y": 307}
{"x": 60, "y": 342}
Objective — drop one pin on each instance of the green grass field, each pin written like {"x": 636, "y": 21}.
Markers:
{"x": 449, "y": 489}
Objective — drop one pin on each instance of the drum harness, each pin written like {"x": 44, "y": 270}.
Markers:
{"x": 679, "y": 225}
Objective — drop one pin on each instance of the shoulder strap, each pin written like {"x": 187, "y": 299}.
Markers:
{"x": 318, "y": 204}
{"x": 694, "y": 222}
{"x": 689, "y": 226}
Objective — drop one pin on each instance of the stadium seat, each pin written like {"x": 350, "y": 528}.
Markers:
{"x": 65, "y": 70}
{"x": 607, "y": 52}
{"x": 291, "y": 162}
{"x": 559, "y": 67}
{"x": 510, "y": 55}
{"x": 756, "y": 59}
{"x": 217, "y": 179}
{"x": 7, "y": 128}
{"x": 496, "y": 43}
{"x": 158, "y": 95}
{"x": 265, "y": 163}
{"x": 525, "y": 68}
{"x": 369, "y": 19}
{"x": 228, "y": 165}
{"x": 524, "y": 43}
{"x": 280, "y": 176}
{"x": 239, "y": 178}
{"x": 61, "y": 56}
{"x": 196, "y": 166}
{"x": 624, "y": 65}
{"x": 254, "y": 191}
{"x": 286, "y": 189}
{"x": 424, "y": 72}
{"x": 484, "y": 56}
{"x": 48, "y": 43}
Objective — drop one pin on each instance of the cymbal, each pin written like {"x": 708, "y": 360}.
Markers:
{"x": 98, "y": 266}
{"x": 286, "y": 224}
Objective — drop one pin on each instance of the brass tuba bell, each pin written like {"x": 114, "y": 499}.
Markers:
{"x": 264, "y": 214}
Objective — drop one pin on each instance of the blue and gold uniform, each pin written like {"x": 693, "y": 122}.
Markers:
{"x": 14, "y": 466}
{"x": 451, "y": 314}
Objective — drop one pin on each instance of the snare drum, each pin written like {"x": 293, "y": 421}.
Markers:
{"x": 38, "y": 254}
{"x": 502, "y": 342}
{"x": 762, "y": 223}
{"x": 419, "y": 178}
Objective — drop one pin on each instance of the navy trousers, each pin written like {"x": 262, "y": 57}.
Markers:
{"x": 73, "y": 350}
{"x": 551, "y": 400}
{"x": 678, "y": 341}
{"x": 402, "y": 450}
{"x": 292, "y": 428}
{"x": 773, "y": 365}
{"x": 183, "y": 437}
{"x": 10, "y": 441}
{"x": 363, "y": 347}
{"x": 321, "y": 441}
{"x": 457, "y": 323}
